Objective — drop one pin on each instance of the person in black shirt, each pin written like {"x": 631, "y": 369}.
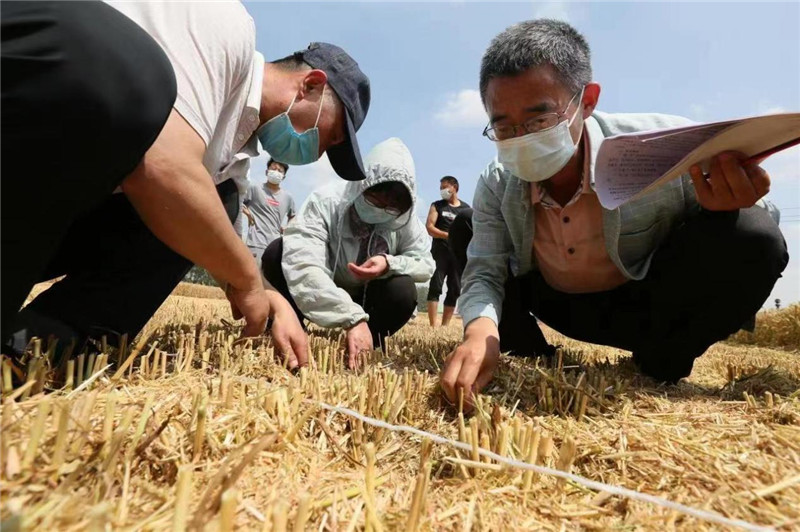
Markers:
{"x": 440, "y": 218}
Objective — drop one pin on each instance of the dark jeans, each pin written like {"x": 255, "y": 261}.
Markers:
{"x": 446, "y": 267}
{"x": 390, "y": 302}
{"x": 705, "y": 281}
{"x": 85, "y": 92}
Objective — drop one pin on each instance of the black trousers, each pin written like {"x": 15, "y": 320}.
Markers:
{"x": 117, "y": 275}
{"x": 85, "y": 93}
{"x": 390, "y": 302}
{"x": 446, "y": 268}
{"x": 705, "y": 281}
{"x": 459, "y": 237}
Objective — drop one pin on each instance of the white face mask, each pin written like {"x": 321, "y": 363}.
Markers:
{"x": 370, "y": 214}
{"x": 274, "y": 177}
{"x": 446, "y": 193}
{"x": 538, "y": 156}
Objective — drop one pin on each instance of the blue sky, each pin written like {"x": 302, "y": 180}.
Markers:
{"x": 706, "y": 61}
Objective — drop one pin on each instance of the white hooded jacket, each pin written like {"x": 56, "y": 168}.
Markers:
{"x": 319, "y": 243}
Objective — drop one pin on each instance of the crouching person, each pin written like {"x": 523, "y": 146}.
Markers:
{"x": 352, "y": 256}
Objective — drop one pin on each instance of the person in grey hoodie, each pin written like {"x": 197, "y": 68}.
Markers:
{"x": 352, "y": 256}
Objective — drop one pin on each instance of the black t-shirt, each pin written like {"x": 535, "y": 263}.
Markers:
{"x": 447, "y": 213}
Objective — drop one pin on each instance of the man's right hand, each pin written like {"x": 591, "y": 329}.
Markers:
{"x": 287, "y": 332}
{"x": 359, "y": 341}
{"x": 175, "y": 196}
{"x": 252, "y": 305}
{"x": 471, "y": 366}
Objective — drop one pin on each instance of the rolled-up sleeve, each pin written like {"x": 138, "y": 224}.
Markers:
{"x": 487, "y": 256}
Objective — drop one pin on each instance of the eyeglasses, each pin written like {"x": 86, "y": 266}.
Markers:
{"x": 380, "y": 204}
{"x": 536, "y": 124}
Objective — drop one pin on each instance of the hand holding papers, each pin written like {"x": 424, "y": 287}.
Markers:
{"x": 633, "y": 164}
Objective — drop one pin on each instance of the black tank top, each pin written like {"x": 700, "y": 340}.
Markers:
{"x": 447, "y": 213}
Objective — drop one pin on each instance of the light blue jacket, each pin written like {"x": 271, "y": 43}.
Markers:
{"x": 320, "y": 241}
{"x": 503, "y": 220}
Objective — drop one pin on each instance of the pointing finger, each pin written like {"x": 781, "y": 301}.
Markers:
{"x": 450, "y": 376}
{"x": 466, "y": 379}
{"x": 284, "y": 347}
{"x": 300, "y": 349}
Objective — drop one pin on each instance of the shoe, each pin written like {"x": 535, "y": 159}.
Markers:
{"x": 663, "y": 366}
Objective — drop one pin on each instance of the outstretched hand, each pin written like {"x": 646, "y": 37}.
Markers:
{"x": 373, "y": 268}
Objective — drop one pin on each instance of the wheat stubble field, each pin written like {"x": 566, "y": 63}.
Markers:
{"x": 202, "y": 431}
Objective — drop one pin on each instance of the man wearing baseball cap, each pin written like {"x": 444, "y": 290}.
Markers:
{"x": 140, "y": 117}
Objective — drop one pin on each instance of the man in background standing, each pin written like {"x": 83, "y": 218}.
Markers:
{"x": 266, "y": 206}
{"x": 440, "y": 218}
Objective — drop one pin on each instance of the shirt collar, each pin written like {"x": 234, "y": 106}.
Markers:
{"x": 253, "y": 102}
{"x": 595, "y": 136}
{"x": 249, "y": 121}
{"x": 539, "y": 193}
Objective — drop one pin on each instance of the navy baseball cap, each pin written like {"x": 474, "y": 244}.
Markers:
{"x": 352, "y": 88}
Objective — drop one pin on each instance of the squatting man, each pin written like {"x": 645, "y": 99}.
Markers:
{"x": 165, "y": 114}
{"x": 664, "y": 276}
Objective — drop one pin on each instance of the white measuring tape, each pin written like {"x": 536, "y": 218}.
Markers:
{"x": 592, "y": 484}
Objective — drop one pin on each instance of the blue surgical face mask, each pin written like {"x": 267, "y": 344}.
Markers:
{"x": 370, "y": 214}
{"x": 279, "y": 138}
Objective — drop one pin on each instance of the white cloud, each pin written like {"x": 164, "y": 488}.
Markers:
{"x": 788, "y": 287}
{"x": 698, "y": 112}
{"x": 302, "y": 180}
{"x": 462, "y": 109}
{"x": 767, "y": 108}
{"x": 554, "y": 10}
{"x": 784, "y": 165}
{"x": 774, "y": 110}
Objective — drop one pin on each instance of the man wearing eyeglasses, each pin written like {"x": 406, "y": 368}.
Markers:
{"x": 665, "y": 276}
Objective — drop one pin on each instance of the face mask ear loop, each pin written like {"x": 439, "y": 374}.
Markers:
{"x": 292, "y": 103}
{"x": 580, "y": 101}
{"x": 321, "y": 102}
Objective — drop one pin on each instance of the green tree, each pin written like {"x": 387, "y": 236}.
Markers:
{"x": 198, "y": 275}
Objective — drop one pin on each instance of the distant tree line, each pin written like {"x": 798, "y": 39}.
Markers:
{"x": 198, "y": 275}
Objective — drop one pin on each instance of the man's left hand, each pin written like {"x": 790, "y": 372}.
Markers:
{"x": 731, "y": 185}
{"x": 371, "y": 269}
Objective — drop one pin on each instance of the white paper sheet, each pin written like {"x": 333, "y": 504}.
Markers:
{"x": 632, "y": 164}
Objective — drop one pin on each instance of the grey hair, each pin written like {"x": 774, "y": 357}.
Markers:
{"x": 535, "y": 43}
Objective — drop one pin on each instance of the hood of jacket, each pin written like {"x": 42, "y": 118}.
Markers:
{"x": 388, "y": 161}
{"x": 320, "y": 241}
